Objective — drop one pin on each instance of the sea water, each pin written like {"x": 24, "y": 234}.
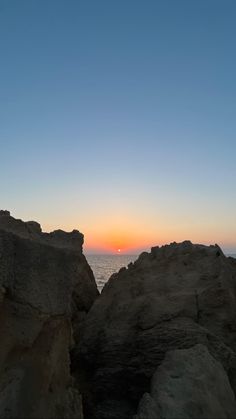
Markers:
{"x": 104, "y": 266}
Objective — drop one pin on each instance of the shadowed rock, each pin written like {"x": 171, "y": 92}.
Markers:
{"x": 175, "y": 297}
{"x": 46, "y": 286}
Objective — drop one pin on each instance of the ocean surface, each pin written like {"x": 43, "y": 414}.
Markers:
{"x": 104, "y": 266}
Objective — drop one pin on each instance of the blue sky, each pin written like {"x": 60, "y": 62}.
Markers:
{"x": 119, "y": 116}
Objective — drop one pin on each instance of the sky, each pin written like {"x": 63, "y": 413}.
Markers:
{"x": 118, "y": 118}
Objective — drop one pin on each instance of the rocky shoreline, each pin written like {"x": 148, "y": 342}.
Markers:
{"x": 158, "y": 343}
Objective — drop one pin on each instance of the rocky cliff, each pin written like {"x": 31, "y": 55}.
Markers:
{"x": 160, "y": 341}
{"x": 46, "y": 287}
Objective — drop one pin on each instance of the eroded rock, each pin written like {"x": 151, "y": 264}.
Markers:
{"x": 175, "y": 297}
{"x": 46, "y": 286}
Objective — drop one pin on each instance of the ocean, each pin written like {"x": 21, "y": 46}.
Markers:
{"x": 104, "y": 266}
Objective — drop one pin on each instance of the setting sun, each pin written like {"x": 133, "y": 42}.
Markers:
{"x": 118, "y": 250}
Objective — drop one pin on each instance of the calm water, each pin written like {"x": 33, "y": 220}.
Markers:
{"x": 104, "y": 266}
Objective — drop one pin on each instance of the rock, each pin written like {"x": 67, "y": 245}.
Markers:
{"x": 5, "y": 213}
{"x": 189, "y": 384}
{"x": 148, "y": 408}
{"x": 175, "y": 297}
{"x": 33, "y": 227}
{"x": 46, "y": 286}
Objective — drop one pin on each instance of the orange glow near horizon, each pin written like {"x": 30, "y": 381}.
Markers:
{"x": 129, "y": 234}
{"x": 122, "y": 241}
{"x": 133, "y": 243}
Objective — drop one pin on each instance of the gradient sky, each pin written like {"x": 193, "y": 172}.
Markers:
{"x": 119, "y": 118}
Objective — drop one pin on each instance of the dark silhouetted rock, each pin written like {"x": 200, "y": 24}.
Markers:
{"x": 5, "y": 213}
{"x": 46, "y": 286}
{"x": 175, "y": 297}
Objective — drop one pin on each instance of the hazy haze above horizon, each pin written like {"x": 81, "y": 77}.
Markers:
{"x": 119, "y": 119}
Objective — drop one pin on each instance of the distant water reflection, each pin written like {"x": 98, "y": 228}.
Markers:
{"x": 104, "y": 266}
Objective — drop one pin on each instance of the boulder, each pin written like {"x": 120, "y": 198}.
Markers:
{"x": 46, "y": 286}
{"x": 189, "y": 384}
{"x": 175, "y": 297}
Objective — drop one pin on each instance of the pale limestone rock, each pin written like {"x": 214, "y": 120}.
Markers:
{"x": 189, "y": 384}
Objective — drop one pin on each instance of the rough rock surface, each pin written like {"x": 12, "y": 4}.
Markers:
{"x": 175, "y": 297}
{"x": 189, "y": 384}
{"x": 45, "y": 286}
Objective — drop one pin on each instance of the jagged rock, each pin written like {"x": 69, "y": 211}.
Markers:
{"x": 175, "y": 297}
{"x": 189, "y": 384}
{"x": 5, "y": 213}
{"x": 44, "y": 281}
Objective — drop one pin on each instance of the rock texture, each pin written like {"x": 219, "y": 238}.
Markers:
{"x": 178, "y": 297}
{"x": 189, "y": 384}
{"x": 46, "y": 286}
